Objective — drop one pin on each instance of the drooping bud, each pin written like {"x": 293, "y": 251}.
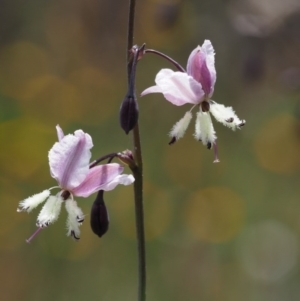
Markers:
{"x": 99, "y": 215}
{"x": 129, "y": 112}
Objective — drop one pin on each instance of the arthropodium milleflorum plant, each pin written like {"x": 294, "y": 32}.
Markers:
{"x": 69, "y": 158}
{"x": 69, "y": 161}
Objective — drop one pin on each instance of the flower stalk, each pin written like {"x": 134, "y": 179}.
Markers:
{"x": 137, "y": 170}
{"x": 177, "y": 65}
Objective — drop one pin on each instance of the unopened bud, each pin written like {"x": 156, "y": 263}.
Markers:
{"x": 126, "y": 157}
{"x": 129, "y": 113}
{"x": 99, "y": 216}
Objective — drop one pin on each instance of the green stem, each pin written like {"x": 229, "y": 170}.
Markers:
{"x": 138, "y": 173}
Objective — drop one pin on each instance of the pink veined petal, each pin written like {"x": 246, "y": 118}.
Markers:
{"x": 181, "y": 88}
{"x": 206, "y": 80}
{"x": 88, "y": 138}
{"x": 69, "y": 159}
{"x": 96, "y": 178}
{"x": 201, "y": 66}
{"x": 209, "y": 52}
{"x": 60, "y": 133}
{"x": 121, "y": 179}
{"x": 178, "y": 87}
{"x": 191, "y": 61}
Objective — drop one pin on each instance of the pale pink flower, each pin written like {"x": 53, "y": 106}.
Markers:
{"x": 69, "y": 160}
{"x": 196, "y": 86}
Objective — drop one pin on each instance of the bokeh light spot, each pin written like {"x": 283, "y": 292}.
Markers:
{"x": 27, "y": 143}
{"x": 97, "y": 92}
{"x": 52, "y": 100}
{"x": 268, "y": 250}
{"x": 277, "y": 145}
{"x": 214, "y": 214}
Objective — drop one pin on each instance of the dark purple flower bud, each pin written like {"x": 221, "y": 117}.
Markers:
{"x": 99, "y": 215}
{"x": 129, "y": 113}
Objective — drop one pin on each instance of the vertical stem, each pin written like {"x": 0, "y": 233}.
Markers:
{"x": 130, "y": 34}
{"x": 138, "y": 173}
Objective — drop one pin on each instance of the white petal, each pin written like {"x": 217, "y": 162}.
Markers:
{"x": 209, "y": 51}
{"x": 204, "y": 130}
{"x": 75, "y": 218}
{"x": 153, "y": 89}
{"x": 226, "y": 116}
{"x": 177, "y": 87}
{"x": 50, "y": 212}
{"x": 121, "y": 179}
{"x": 181, "y": 126}
{"x": 33, "y": 201}
{"x": 60, "y": 133}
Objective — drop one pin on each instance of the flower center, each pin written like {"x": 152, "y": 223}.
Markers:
{"x": 204, "y": 106}
{"x": 65, "y": 194}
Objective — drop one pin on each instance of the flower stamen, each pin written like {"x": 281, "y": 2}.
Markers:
{"x": 36, "y": 232}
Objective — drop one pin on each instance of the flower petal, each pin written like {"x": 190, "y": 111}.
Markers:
{"x": 60, "y": 133}
{"x": 50, "y": 211}
{"x": 153, "y": 89}
{"x": 209, "y": 51}
{"x": 33, "y": 201}
{"x": 177, "y": 87}
{"x": 121, "y": 179}
{"x": 96, "y": 178}
{"x": 69, "y": 159}
{"x": 181, "y": 126}
{"x": 226, "y": 116}
{"x": 201, "y": 66}
{"x": 204, "y": 130}
{"x": 194, "y": 62}
{"x": 75, "y": 218}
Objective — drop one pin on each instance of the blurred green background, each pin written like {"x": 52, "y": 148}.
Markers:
{"x": 227, "y": 231}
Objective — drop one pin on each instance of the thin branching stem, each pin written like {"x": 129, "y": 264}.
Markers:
{"x": 177, "y": 65}
{"x": 108, "y": 156}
